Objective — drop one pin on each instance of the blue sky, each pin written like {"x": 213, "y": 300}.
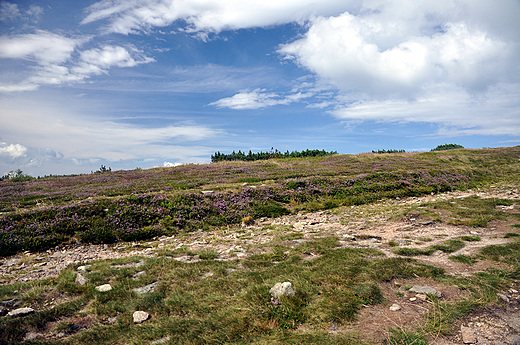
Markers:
{"x": 143, "y": 83}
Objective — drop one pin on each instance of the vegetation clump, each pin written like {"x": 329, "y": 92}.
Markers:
{"x": 447, "y": 147}
{"x": 389, "y": 151}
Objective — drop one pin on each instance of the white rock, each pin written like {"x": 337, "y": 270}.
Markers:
{"x": 140, "y": 316}
{"x": 80, "y": 279}
{"x": 83, "y": 268}
{"x": 395, "y": 307}
{"x": 282, "y": 289}
{"x": 146, "y": 289}
{"x": 104, "y": 288}
{"x": 21, "y": 312}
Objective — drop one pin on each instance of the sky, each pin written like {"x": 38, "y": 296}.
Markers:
{"x": 145, "y": 83}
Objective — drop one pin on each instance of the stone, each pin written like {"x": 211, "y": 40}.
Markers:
{"x": 188, "y": 259}
{"x": 207, "y": 275}
{"x": 83, "y": 268}
{"x": 80, "y": 279}
{"x": 138, "y": 274}
{"x": 405, "y": 228}
{"x": 468, "y": 335}
{"x": 146, "y": 289}
{"x": 140, "y": 316}
{"x": 12, "y": 262}
{"x": 21, "y": 312}
{"x": 10, "y": 302}
{"x": 282, "y": 289}
{"x": 112, "y": 320}
{"x": 425, "y": 290}
{"x": 503, "y": 297}
{"x": 31, "y": 336}
{"x": 161, "y": 340}
{"x": 104, "y": 288}
{"x": 395, "y": 307}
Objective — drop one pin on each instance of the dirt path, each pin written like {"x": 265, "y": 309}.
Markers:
{"x": 361, "y": 227}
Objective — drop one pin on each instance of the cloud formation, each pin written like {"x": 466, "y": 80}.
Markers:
{"x": 389, "y": 50}
{"x": 258, "y": 99}
{"x": 207, "y": 16}
{"x": 56, "y": 59}
{"x": 12, "y": 151}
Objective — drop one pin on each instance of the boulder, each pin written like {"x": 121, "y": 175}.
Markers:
{"x": 425, "y": 290}
{"x": 104, "y": 288}
{"x": 140, "y": 316}
{"x": 282, "y": 289}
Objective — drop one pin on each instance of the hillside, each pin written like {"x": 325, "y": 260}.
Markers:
{"x": 203, "y": 245}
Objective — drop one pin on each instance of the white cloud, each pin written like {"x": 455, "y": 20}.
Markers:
{"x": 13, "y": 150}
{"x": 383, "y": 56}
{"x": 53, "y": 59}
{"x": 35, "y": 12}
{"x": 109, "y": 56}
{"x": 258, "y": 99}
{"x": 40, "y": 123}
{"x": 43, "y": 47}
{"x": 456, "y": 111}
{"x": 12, "y": 12}
{"x": 170, "y": 165}
{"x": 208, "y": 16}
{"x": 8, "y": 11}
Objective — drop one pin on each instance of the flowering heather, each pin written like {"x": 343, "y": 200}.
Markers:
{"x": 139, "y": 204}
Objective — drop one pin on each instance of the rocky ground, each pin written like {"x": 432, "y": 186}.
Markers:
{"x": 370, "y": 226}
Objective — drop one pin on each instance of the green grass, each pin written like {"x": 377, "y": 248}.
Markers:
{"x": 448, "y": 246}
{"x": 465, "y": 259}
{"x": 403, "y": 337}
{"x": 471, "y": 211}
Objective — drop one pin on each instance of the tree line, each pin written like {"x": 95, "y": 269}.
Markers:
{"x": 250, "y": 156}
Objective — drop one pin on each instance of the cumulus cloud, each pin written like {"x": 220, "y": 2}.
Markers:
{"x": 97, "y": 61}
{"x": 12, "y": 151}
{"x": 170, "y": 165}
{"x": 55, "y": 59}
{"x": 385, "y": 55}
{"x": 207, "y": 16}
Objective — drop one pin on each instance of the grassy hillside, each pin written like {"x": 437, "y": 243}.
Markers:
{"x": 141, "y": 204}
{"x": 392, "y": 222}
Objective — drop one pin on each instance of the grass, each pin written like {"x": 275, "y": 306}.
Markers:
{"x": 401, "y": 336}
{"x": 448, "y": 246}
{"x": 192, "y": 307}
{"x": 472, "y": 211}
